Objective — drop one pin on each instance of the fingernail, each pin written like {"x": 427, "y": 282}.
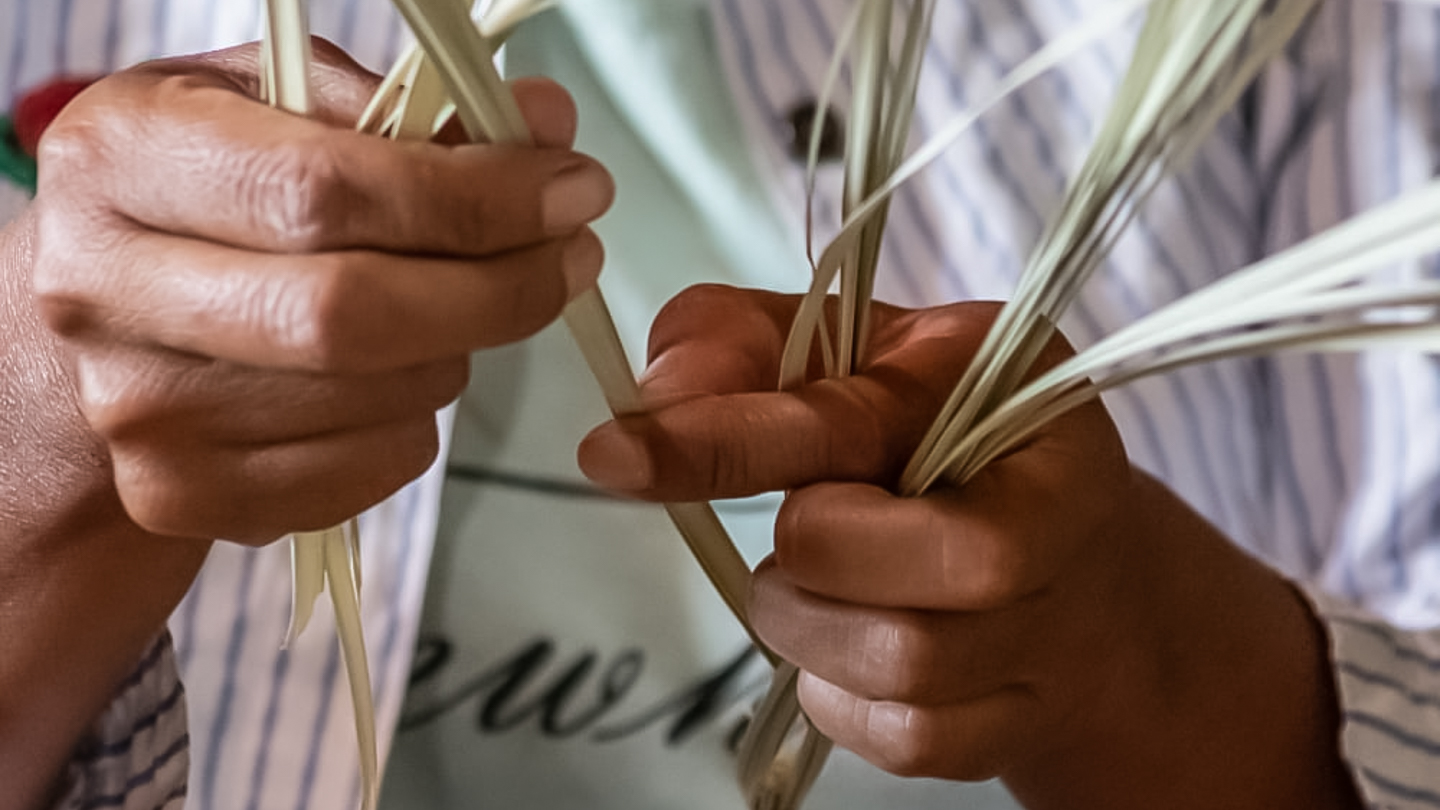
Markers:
{"x": 617, "y": 460}
{"x": 581, "y": 262}
{"x": 576, "y": 196}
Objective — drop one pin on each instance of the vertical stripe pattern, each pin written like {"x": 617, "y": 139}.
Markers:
{"x": 1329, "y": 468}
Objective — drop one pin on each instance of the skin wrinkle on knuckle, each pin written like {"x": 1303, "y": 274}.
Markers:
{"x": 982, "y": 565}
{"x": 321, "y": 315}
{"x": 158, "y": 498}
{"x": 63, "y": 264}
{"x": 898, "y": 658}
{"x": 296, "y": 193}
{"x": 130, "y": 395}
{"x": 904, "y": 737}
{"x": 111, "y": 402}
{"x": 78, "y": 143}
{"x": 422, "y": 177}
{"x": 953, "y": 569}
{"x": 993, "y": 579}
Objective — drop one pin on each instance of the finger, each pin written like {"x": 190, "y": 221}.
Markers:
{"x": 549, "y": 111}
{"x": 129, "y": 394}
{"x": 970, "y": 741}
{"x": 696, "y": 445}
{"x": 257, "y": 495}
{"x": 221, "y": 167}
{"x": 713, "y": 339}
{"x": 1005, "y": 536}
{"x": 353, "y": 311}
{"x": 917, "y": 657}
{"x": 739, "y": 445}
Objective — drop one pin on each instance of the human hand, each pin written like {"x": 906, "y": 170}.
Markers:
{"x": 264, "y": 312}
{"x": 1061, "y": 621}
{"x": 221, "y": 320}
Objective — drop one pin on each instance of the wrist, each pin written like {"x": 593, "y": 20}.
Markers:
{"x": 85, "y": 589}
{"x": 1226, "y": 697}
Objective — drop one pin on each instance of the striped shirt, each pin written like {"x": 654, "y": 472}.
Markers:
{"x": 1326, "y": 467}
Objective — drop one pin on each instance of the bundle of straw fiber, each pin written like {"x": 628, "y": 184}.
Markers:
{"x": 452, "y": 71}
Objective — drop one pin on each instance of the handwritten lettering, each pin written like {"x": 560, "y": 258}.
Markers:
{"x": 564, "y": 699}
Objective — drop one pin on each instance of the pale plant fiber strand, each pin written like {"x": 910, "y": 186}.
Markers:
{"x": 453, "y": 69}
{"x": 487, "y": 110}
{"x": 328, "y": 560}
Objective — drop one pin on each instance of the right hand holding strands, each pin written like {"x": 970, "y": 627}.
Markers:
{"x": 1063, "y": 620}
{"x": 221, "y": 320}
{"x": 266, "y": 311}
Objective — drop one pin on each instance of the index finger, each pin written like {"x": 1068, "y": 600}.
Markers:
{"x": 180, "y": 147}
{"x": 719, "y": 429}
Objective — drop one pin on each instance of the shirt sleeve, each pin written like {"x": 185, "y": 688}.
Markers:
{"x": 1388, "y": 682}
{"x": 137, "y": 755}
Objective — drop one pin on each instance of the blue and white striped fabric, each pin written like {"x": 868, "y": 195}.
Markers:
{"x": 137, "y": 755}
{"x": 1389, "y": 686}
{"x": 1328, "y": 468}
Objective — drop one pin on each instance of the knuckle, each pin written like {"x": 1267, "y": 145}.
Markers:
{"x": 155, "y": 496}
{"x": 318, "y": 318}
{"x": 913, "y": 746}
{"x": 67, "y": 149}
{"x": 416, "y": 446}
{"x": 734, "y": 472}
{"x": 693, "y": 308}
{"x": 861, "y": 447}
{"x": 327, "y": 53}
{"x": 984, "y": 570}
{"x": 74, "y": 145}
{"x": 122, "y": 403}
{"x": 1006, "y": 574}
{"x": 79, "y": 262}
{"x": 924, "y": 743}
{"x": 534, "y": 301}
{"x": 444, "y": 382}
{"x": 905, "y": 653}
{"x": 110, "y": 412}
{"x": 295, "y": 193}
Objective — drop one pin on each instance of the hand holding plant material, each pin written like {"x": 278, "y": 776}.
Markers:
{"x": 265, "y": 311}
{"x": 259, "y": 316}
{"x": 1061, "y": 620}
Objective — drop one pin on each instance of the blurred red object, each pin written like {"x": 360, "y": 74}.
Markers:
{"x": 40, "y": 105}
